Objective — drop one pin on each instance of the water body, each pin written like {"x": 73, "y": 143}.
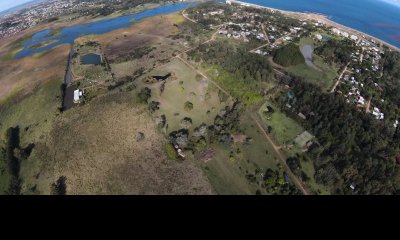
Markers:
{"x": 91, "y": 58}
{"x": 378, "y": 18}
{"x": 307, "y": 51}
{"x": 69, "y": 34}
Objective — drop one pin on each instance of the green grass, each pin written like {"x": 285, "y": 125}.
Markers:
{"x": 324, "y": 78}
{"x": 284, "y": 129}
{"x": 34, "y": 115}
{"x": 247, "y": 92}
{"x": 308, "y": 168}
{"x": 201, "y": 93}
{"x": 227, "y": 170}
{"x": 36, "y": 112}
{"x": 225, "y": 175}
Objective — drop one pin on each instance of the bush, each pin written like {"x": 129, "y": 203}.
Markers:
{"x": 59, "y": 187}
{"x": 144, "y": 95}
{"x": 170, "y": 151}
{"x": 188, "y": 106}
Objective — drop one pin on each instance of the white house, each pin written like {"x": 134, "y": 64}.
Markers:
{"x": 77, "y": 95}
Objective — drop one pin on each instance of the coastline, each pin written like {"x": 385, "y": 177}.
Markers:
{"x": 324, "y": 20}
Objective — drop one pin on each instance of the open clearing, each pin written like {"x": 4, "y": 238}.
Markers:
{"x": 94, "y": 146}
{"x": 322, "y": 74}
{"x": 227, "y": 170}
{"x": 284, "y": 129}
{"x": 186, "y": 87}
{"x": 21, "y": 76}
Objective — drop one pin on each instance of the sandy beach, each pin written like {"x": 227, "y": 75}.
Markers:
{"x": 324, "y": 20}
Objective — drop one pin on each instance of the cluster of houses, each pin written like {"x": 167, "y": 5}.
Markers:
{"x": 344, "y": 34}
{"x": 242, "y": 31}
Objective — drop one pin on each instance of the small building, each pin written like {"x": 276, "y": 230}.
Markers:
{"x": 302, "y": 116}
{"x": 77, "y": 95}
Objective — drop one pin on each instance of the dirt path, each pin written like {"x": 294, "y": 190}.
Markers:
{"x": 339, "y": 78}
{"x": 265, "y": 33}
{"x": 276, "y": 148}
{"x": 281, "y": 156}
{"x": 203, "y": 75}
{"x": 187, "y": 17}
{"x": 367, "y": 108}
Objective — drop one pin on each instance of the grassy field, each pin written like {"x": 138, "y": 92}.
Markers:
{"x": 324, "y": 78}
{"x": 186, "y": 87}
{"x": 284, "y": 129}
{"x": 34, "y": 115}
{"x": 21, "y": 76}
{"x": 227, "y": 170}
{"x": 308, "y": 168}
{"x": 94, "y": 146}
{"x": 247, "y": 92}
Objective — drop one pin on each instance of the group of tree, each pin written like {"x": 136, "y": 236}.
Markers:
{"x": 336, "y": 51}
{"x": 236, "y": 60}
{"x": 356, "y": 148}
{"x": 288, "y": 55}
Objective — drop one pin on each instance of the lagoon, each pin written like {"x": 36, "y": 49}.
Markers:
{"x": 69, "y": 34}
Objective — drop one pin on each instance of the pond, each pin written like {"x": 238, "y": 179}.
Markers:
{"x": 307, "y": 51}
{"x": 69, "y": 34}
{"x": 92, "y": 58}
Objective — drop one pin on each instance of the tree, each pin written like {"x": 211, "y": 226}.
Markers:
{"x": 188, "y": 106}
{"x": 170, "y": 151}
{"x": 154, "y": 106}
{"x": 144, "y": 95}
{"x": 288, "y": 55}
{"x": 59, "y": 187}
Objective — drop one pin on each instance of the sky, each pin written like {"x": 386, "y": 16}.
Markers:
{"x": 7, "y": 4}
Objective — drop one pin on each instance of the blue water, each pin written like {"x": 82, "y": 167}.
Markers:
{"x": 378, "y": 18}
{"x": 91, "y": 59}
{"x": 69, "y": 34}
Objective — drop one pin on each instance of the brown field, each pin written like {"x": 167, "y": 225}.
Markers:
{"x": 20, "y": 76}
{"x": 94, "y": 146}
{"x": 151, "y": 32}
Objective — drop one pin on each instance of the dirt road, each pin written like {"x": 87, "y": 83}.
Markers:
{"x": 339, "y": 78}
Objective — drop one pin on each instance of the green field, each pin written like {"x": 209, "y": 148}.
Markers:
{"x": 34, "y": 116}
{"x": 324, "y": 78}
{"x": 284, "y": 129}
{"x": 227, "y": 170}
{"x": 185, "y": 87}
{"x": 308, "y": 168}
{"x": 247, "y": 92}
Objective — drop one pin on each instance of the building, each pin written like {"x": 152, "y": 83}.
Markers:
{"x": 77, "y": 95}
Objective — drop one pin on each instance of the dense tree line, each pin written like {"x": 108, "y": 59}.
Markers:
{"x": 336, "y": 51}
{"x": 357, "y": 149}
{"x": 238, "y": 61}
{"x": 288, "y": 55}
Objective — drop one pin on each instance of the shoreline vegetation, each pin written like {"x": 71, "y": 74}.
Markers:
{"x": 322, "y": 19}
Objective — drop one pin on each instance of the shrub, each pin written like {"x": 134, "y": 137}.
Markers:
{"x": 188, "y": 106}
{"x": 170, "y": 151}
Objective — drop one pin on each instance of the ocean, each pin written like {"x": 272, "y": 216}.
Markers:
{"x": 378, "y": 18}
